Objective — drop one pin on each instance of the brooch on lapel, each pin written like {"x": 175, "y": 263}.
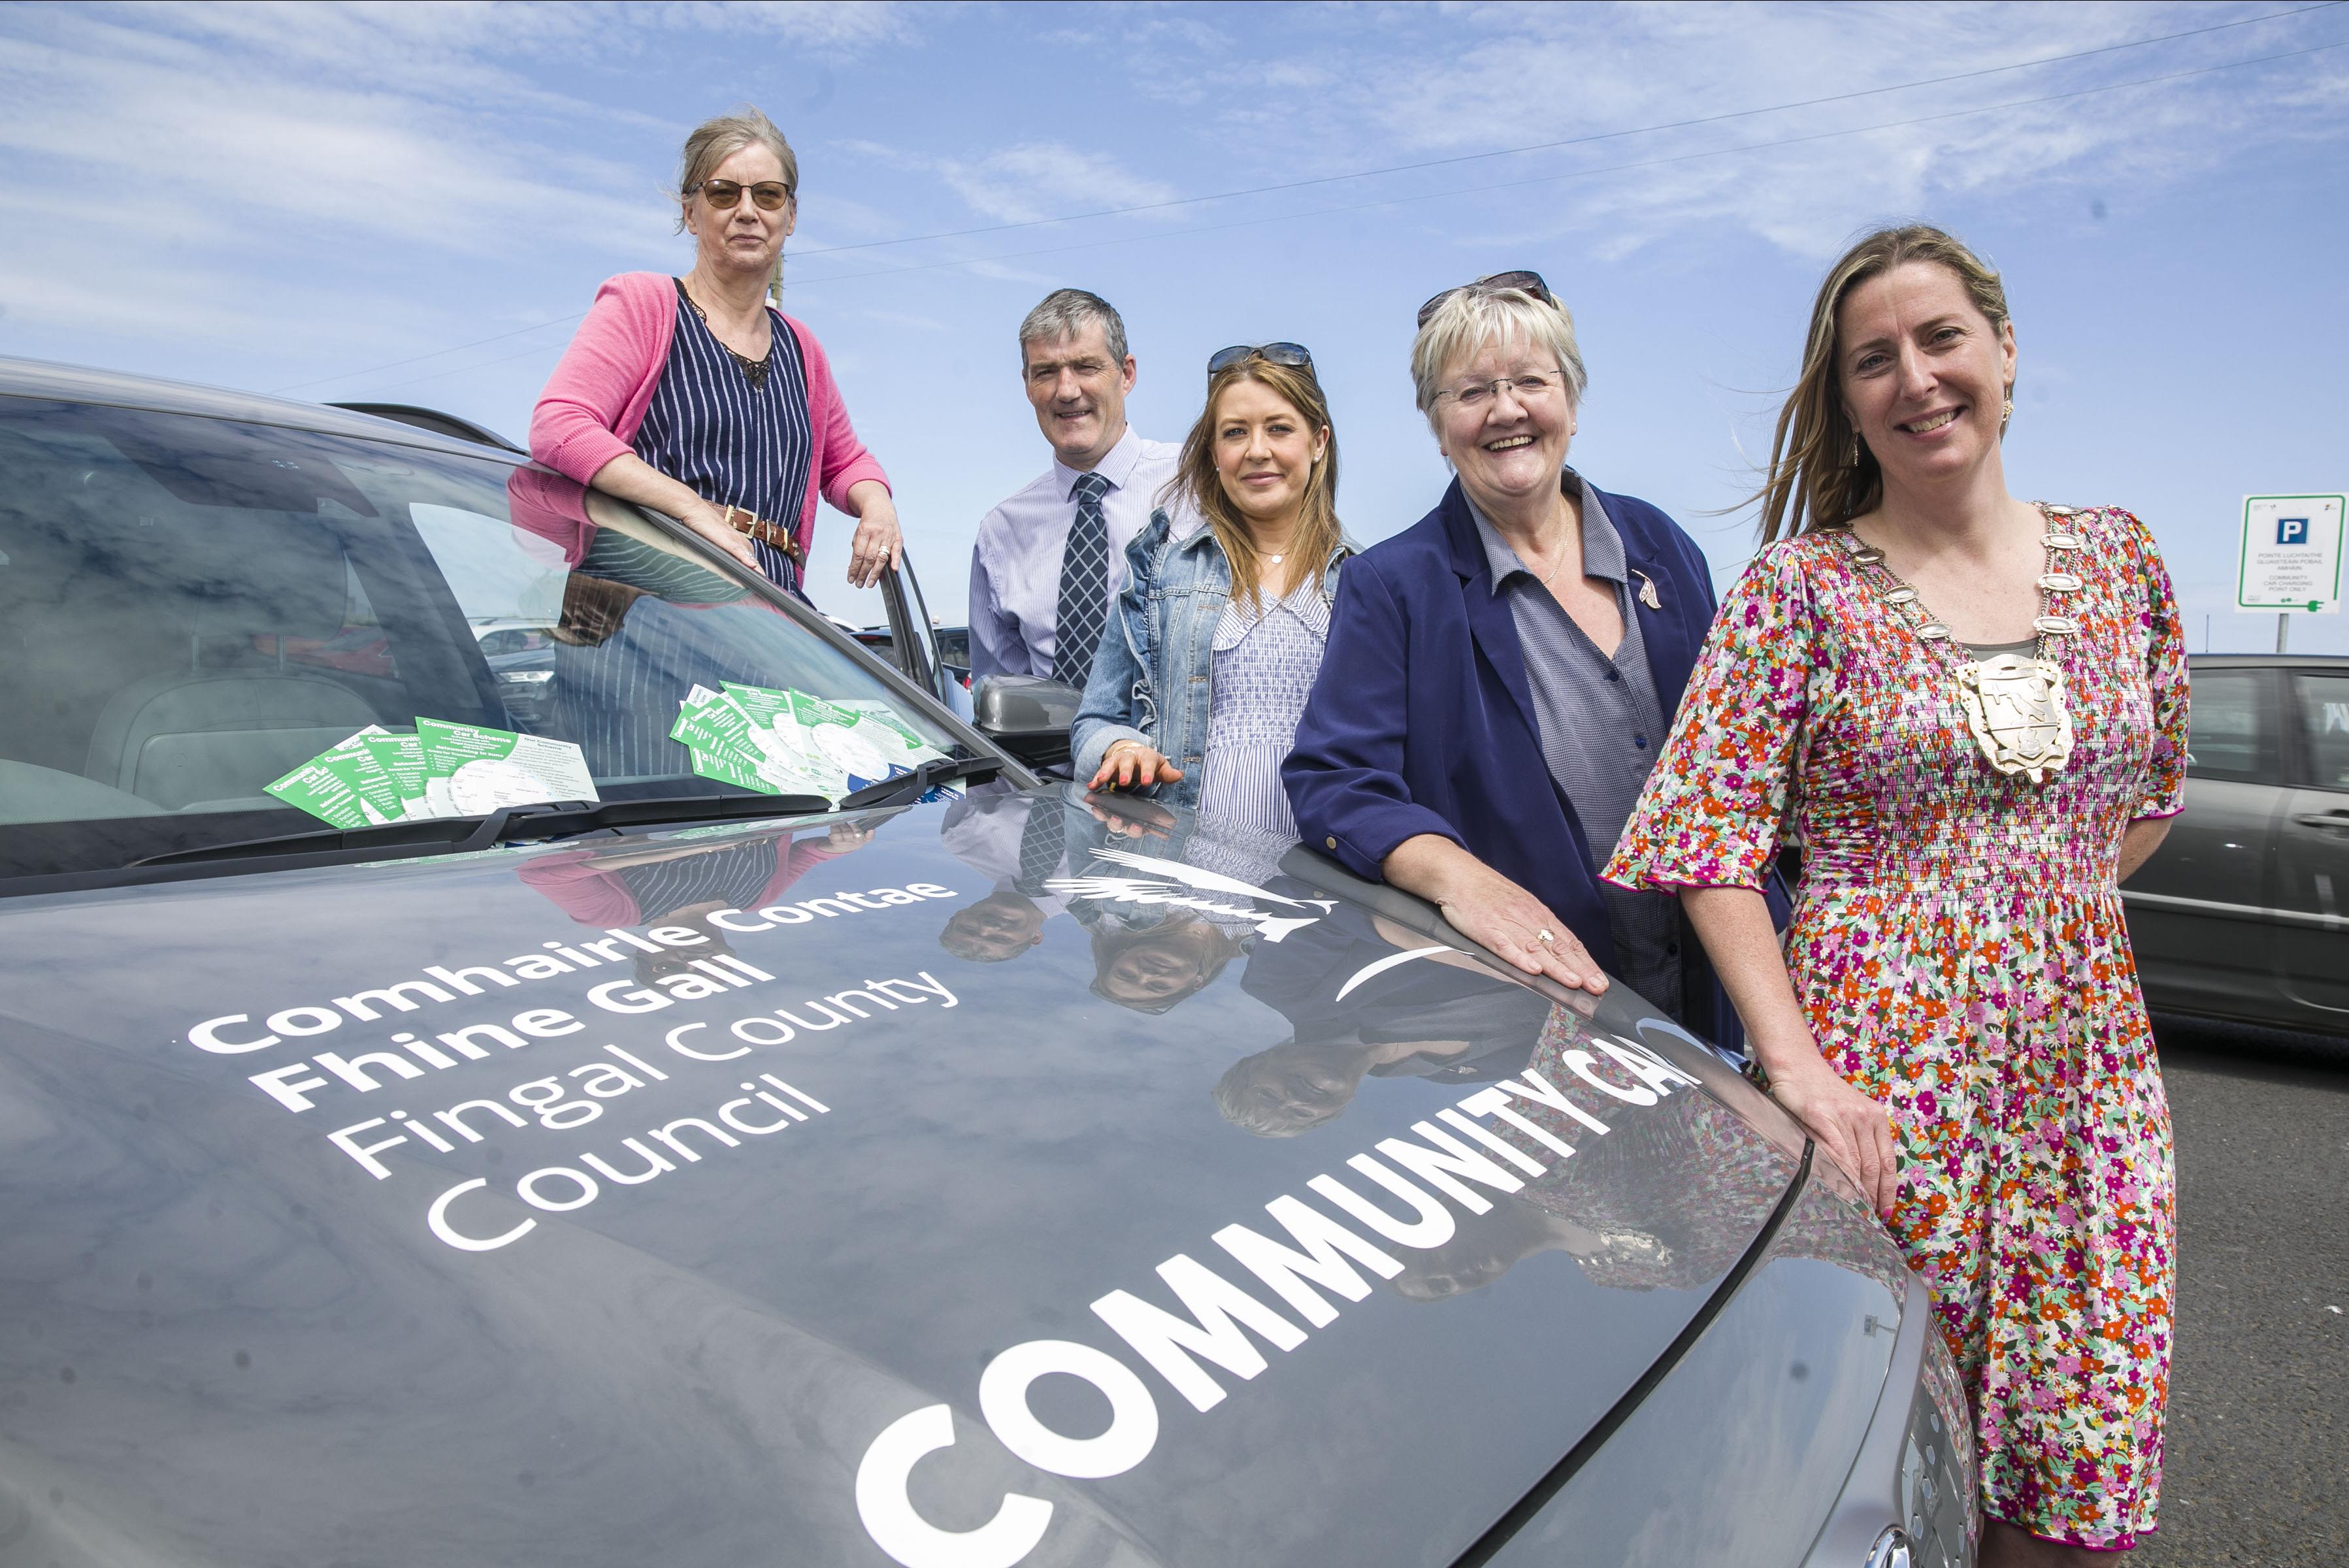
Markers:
{"x": 1647, "y": 590}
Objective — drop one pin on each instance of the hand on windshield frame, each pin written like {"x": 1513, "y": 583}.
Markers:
{"x": 877, "y": 544}
{"x": 709, "y": 521}
{"x": 632, "y": 479}
{"x": 1133, "y": 765}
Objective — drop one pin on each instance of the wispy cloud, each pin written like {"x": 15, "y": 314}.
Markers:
{"x": 1366, "y": 86}
{"x": 1028, "y": 182}
{"x": 157, "y": 152}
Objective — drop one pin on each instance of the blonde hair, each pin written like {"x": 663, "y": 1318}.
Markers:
{"x": 1821, "y": 475}
{"x": 714, "y": 141}
{"x": 1472, "y": 319}
{"x": 1317, "y": 532}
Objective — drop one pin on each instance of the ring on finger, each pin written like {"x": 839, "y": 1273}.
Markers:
{"x": 1546, "y": 936}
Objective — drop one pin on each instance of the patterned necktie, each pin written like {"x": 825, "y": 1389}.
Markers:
{"x": 1084, "y": 584}
{"x": 1044, "y": 838}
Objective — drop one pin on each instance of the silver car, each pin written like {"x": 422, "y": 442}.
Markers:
{"x": 956, "y": 1171}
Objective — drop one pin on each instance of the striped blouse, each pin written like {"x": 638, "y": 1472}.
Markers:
{"x": 732, "y": 443}
{"x": 1263, "y": 672}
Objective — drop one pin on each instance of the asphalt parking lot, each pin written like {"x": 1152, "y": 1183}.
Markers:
{"x": 2257, "y": 1466}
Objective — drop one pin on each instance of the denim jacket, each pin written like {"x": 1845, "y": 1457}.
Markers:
{"x": 1151, "y": 677}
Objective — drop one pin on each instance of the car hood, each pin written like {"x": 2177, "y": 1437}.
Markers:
{"x": 919, "y": 1186}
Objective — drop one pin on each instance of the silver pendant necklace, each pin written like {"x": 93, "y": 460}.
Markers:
{"x": 2015, "y": 707}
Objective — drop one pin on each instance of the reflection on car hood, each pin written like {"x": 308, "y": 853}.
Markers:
{"x": 665, "y": 1197}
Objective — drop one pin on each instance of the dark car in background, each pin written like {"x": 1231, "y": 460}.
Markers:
{"x": 2243, "y": 915}
{"x": 953, "y": 646}
{"x": 951, "y": 1170}
{"x": 521, "y": 656}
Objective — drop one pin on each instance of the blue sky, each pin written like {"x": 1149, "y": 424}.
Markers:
{"x": 347, "y": 201}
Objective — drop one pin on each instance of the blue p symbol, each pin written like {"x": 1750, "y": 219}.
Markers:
{"x": 2292, "y": 531}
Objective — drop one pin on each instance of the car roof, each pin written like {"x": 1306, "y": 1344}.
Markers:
{"x": 85, "y": 384}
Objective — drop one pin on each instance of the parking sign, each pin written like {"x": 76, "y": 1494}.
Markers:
{"x": 2292, "y": 553}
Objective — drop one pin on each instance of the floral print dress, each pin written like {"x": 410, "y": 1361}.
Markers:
{"x": 1957, "y": 945}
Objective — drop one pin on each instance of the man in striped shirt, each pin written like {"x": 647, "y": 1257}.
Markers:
{"x": 1049, "y": 561}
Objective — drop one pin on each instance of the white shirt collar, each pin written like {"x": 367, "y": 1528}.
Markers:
{"x": 1117, "y": 466}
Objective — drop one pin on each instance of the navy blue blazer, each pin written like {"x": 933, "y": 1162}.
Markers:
{"x": 1421, "y": 720}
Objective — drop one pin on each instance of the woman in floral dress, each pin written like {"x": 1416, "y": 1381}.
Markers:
{"x": 1969, "y": 713}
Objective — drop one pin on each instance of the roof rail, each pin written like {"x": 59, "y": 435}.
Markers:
{"x": 434, "y": 420}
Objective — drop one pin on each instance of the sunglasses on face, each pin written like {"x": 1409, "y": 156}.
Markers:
{"x": 722, "y": 194}
{"x": 1531, "y": 283}
{"x": 1293, "y": 354}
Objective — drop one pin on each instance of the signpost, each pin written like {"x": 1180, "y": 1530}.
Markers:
{"x": 2291, "y": 559}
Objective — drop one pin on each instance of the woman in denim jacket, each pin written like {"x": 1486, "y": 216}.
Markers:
{"x": 1197, "y": 685}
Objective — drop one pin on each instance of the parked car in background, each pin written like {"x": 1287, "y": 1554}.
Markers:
{"x": 2243, "y": 913}
{"x": 953, "y": 646}
{"x": 571, "y": 1167}
{"x": 521, "y": 656}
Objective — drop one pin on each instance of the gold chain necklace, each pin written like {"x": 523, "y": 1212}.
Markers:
{"x": 2014, "y": 705}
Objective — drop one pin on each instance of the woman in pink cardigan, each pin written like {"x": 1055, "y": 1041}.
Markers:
{"x": 692, "y": 397}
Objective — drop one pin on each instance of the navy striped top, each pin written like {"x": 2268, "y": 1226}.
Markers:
{"x": 730, "y": 443}
{"x": 737, "y": 875}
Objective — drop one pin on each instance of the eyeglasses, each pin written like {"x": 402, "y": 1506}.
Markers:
{"x": 1293, "y": 354}
{"x": 1533, "y": 386}
{"x": 1531, "y": 283}
{"x": 722, "y": 194}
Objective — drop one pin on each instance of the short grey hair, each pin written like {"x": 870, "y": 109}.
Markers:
{"x": 1064, "y": 313}
{"x": 1472, "y": 319}
{"x": 714, "y": 141}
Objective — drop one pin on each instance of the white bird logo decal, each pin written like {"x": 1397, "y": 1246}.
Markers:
{"x": 1169, "y": 881}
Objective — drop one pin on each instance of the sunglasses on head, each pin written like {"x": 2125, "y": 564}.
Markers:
{"x": 1293, "y": 354}
{"x": 722, "y": 194}
{"x": 1529, "y": 281}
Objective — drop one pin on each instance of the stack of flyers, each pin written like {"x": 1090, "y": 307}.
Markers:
{"x": 788, "y": 742}
{"x": 442, "y": 770}
{"x": 470, "y": 770}
{"x": 344, "y": 785}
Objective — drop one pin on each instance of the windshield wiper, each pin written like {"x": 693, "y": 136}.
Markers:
{"x": 910, "y": 787}
{"x": 459, "y": 835}
{"x": 560, "y": 819}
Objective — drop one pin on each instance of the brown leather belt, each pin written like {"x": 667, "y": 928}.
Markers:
{"x": 765, "y": 532}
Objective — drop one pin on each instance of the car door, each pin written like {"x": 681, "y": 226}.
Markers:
{"x": 2313, "y": 943}
{"x": 2199, "y": 910}
{"x": 913, "y": 638}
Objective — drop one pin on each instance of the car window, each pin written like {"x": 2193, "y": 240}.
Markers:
{"x": 2225, "y": 721}
{"x": 2322, "y": 702}
{"x": 192, "y": 608}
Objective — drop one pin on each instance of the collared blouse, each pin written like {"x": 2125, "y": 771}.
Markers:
{"x": 1265, "y": 660}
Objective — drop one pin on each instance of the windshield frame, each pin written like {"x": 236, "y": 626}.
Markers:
{"x": 392, "y": 433}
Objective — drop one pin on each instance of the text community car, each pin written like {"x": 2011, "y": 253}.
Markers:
{"x": 711, "y": 1105}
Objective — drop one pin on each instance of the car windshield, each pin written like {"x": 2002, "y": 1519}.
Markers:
{"x": 218, "y": 631}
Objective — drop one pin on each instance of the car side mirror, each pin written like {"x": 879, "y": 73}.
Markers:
{"x": 1027, "y": 716}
